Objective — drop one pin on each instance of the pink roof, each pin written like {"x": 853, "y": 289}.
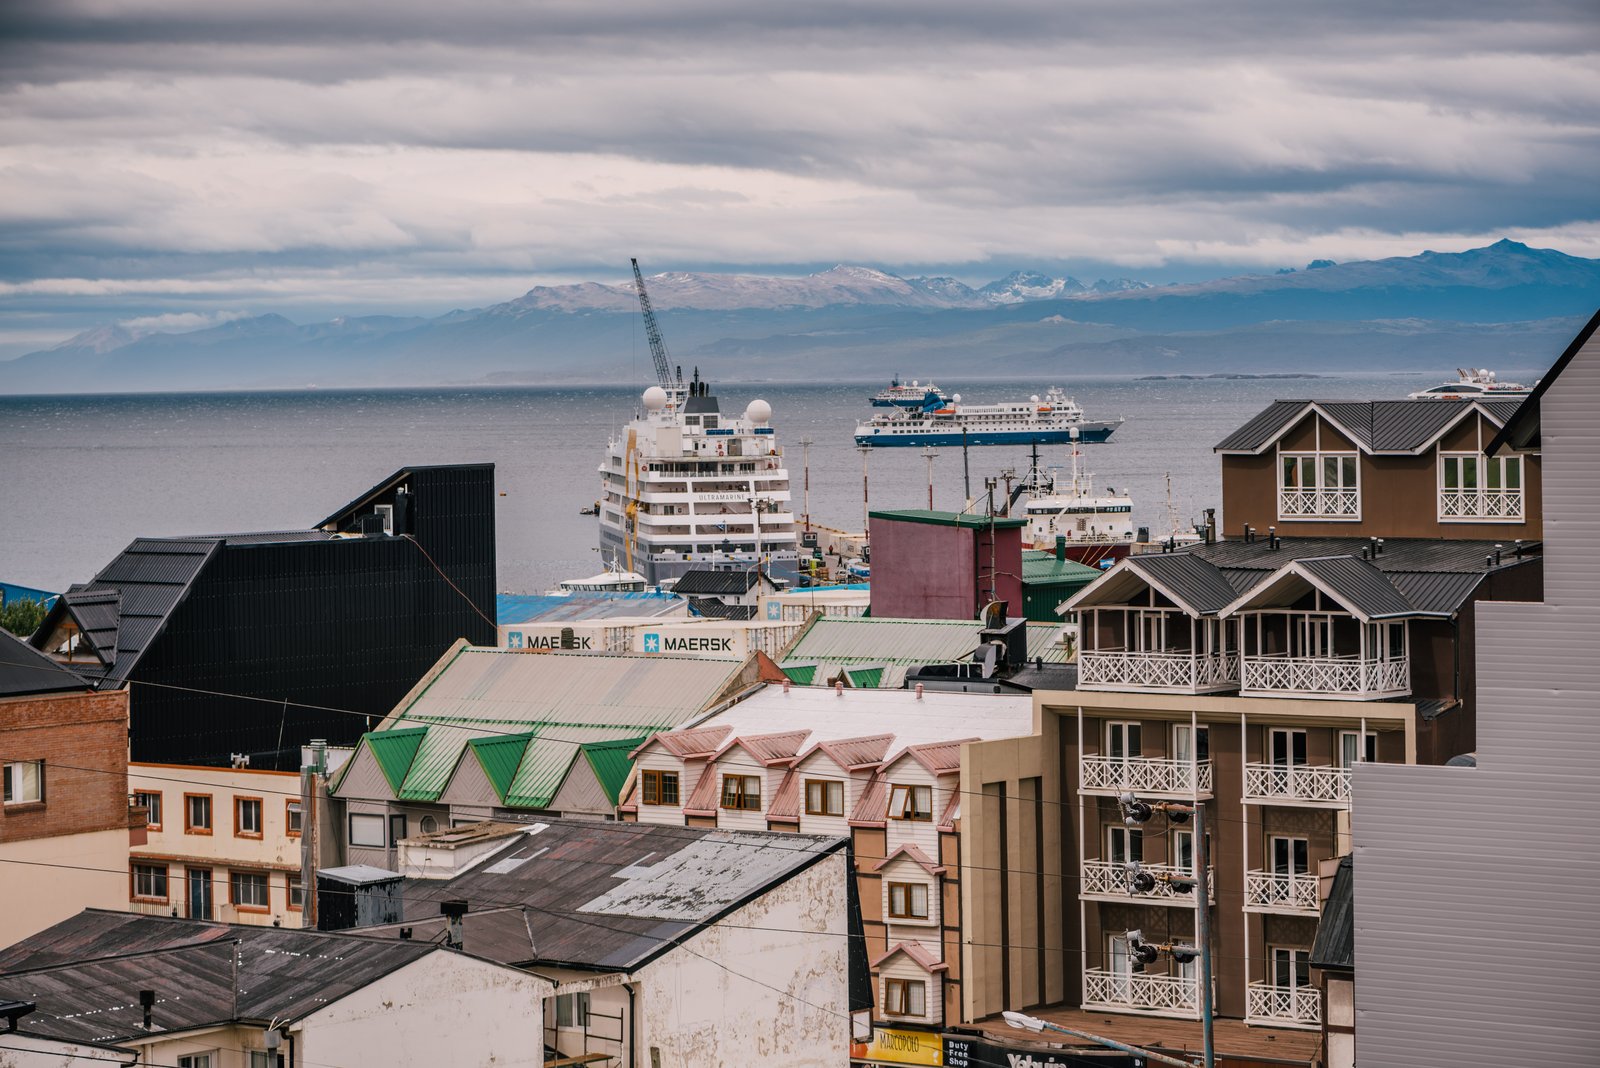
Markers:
{"x": 873, "y": 803}
{"x": 768, "y": 748}
{"x": 707, "y": 794}
{"x": 913, "y": 853}
{"x": 855, "y": 754}
{"x": 940, "y": 758}
{"x": 925, "y": 960}
{"x": 952, "y": 812}
{"x": 687, "y": 744}
{"x": 785, "y": 806}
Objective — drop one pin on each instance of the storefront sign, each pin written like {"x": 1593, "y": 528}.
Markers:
{"x": 890, "y": 1046}
{"x": 962, "y": 1052}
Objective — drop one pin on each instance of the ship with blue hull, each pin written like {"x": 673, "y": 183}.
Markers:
{"x": 1054, "y": 418}
{"x": 914, "y": 396}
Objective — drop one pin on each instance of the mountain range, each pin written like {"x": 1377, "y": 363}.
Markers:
{"x": 1506, "y": 306}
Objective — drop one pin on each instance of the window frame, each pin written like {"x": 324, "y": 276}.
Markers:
{"x": 383, "y": 830}
{"x": 925, "y": 916}
{"x": 10, "y": 781}
{"x": 291, "y": 881}
{"x": 293, "y": 813}
{"x": 1130, "y": 837}
{"x": 908, "y": 810}
{"x": 1370, "y": 756}
{"x": 828, "y": 786}
{"x": 1481, "y": 490}
{"x": 205, "y": 1058}
{"x": 189, "y": 826}
{"x": 576, "y": 1008}
{"x": 744, "y": 796}
{"x": 166, "y": 882}
{"x": 234, "y": 875}
{"x": 659, "y": 778}
{"x": 890, "y": 983}
{"x": 1319, "y": 483}
{"x": 239, "y": 803}
{"x": 151, "y": 824}
{"x": 1132, "y": 731}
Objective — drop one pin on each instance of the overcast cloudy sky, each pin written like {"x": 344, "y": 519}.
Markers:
{"x": 177, "y": 161}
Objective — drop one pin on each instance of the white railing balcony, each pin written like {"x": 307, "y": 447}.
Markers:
{"x": 1148, "y": 775}
{"x": 1304, "y": 676}
{"x": 1106, "y": 880}
{"x": 1270, "y": 891}
{"x": 1297, "y": 784}
{"x": 1117, "y": 669}
{"x": 1493, "y": 505}
{"x": 153, "y": 908}
{"x": 1319, "y": 504}
{"x": 1283, "y": 1006}
{"x": 1164, "y": 995}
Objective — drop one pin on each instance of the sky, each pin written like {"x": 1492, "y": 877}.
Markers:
{"x": 175, "y": 163}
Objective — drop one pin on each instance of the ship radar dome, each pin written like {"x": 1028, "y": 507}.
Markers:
{"x": 655, "y": 399}
{"x": 759, "y": 411}
{"x": 1034, "y": 398}
{"x": 955, "y": 397}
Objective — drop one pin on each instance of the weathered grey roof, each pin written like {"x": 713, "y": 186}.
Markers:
{"x": 1198, "y": 582}
{"x": 1361, "y": 587}
{"x": 865, "y": 639}
{"x": 84, "y": 974}
{"x": 1403, "y": 426}
{"x": 24, "y": 670}
{"x": 1399, "y": 554}
{"x": 711, "y": 608}
{"x": 606, "y": 895}
{"x": 1335, "y": 946}
{"x": 706, "y": 582}
{"x": 1436, "y": 591}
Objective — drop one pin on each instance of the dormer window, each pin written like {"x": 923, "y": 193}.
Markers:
{"x": 824, "y": 797}
{"x": 1318, "y": 485}
{"x": 741, "y": 792}
{"x": 1478, "y": 488}
{"x": 911, "y": 803}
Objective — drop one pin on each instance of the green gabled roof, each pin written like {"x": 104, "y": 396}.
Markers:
{"x": 394, "y": 750}
{"x": 500, "y": 757}
{"x": 611, "y": 764}
{"x": 1041, "y": 565}
{"x": 950, "y": 519}
{"x": 865, "y": 678}
{"x": 802, "y": 674}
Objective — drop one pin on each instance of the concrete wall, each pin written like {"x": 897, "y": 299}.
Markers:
{"x": 46, "y": 880}
{"x": 907, "y": 584}
{"x": 766, "y": 984}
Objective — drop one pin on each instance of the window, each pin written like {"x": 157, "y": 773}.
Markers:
{"x": 824, "y": 797}
{"x": 260, "y": 1058}
{"x": 248, "y": 890}
{"x": 293, "y": 818}
{"x": 1290, "y": 856}
{"x": 1123, "y": 741}
{"x": 905, "y": 997}
{"x": 572, "y": 1010}
{"x": 1318, "y": 485}
{"x": 1183, "y": 850}
{"x": 24, "y": 782}
{"x": 908, "y": 901}
{"x": 1352, "y": 751}
{"x": 366, "y": 831}
{"x": 196, "y": 813}
{"x": 150, "y": 802}
{"x": 1477, "y": 487}
{"x": 1288, "y": 751}
{"x": 150, "y": 882}
{"x": 911, "y": 803}
{"x": 741, "y": 792}
{"x": 397, "y": 828}
{"x": 1124, "y": 845}
{"x": 247, "y": 817}
{"x": 659, "y": 787}
{"x": 198, "y": 1060}
{"x": 297, "y": 894}
{"x": 1191, "y": 743}
{"x": 1291, "y": 967}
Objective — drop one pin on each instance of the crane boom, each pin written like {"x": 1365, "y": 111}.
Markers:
{"x": 658, "y": 348}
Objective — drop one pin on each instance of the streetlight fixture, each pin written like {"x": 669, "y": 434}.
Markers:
{"x": 1032, "y": 1023}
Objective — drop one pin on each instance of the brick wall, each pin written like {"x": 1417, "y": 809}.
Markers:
{"x": 83, "y": 740}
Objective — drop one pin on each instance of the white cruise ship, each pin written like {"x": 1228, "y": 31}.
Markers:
{"x": 1055, "y": 418}
{"x": 684, "y": 486}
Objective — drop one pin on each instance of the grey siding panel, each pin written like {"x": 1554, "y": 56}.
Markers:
{"x": 1570, "y": 436}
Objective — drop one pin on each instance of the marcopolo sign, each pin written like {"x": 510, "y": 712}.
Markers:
{"x": 894, "y": 1046}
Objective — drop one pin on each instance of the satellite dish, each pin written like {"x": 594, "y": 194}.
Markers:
{"x": 654, "y": 399}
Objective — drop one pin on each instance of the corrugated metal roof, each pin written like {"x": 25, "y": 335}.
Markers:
{"x": 1360, "y": 587}
{"x": 512, "y": 608}
{"x": 1399, "y": 554}
{"x": 1041, "y": 566}
{"x": 1376, "y": 426}
{"x": 611, "y": 763}
{"x": 83, "y": 973}
{"x": 1435, "y": 591}
{"x": 499, "y": 758}
{"x": 394, "y": 750}
{"x": 859, "y": 639}
{"x": 708, "y": 582}
{"x": 1335, "y": 946}
{"x": 948, "y": 519}
{"x": 1262, "y": 427}
{"x": 607, "y": 895}
{"x": 1045, "y": 642}
{"x": 1192, "y": 580}
{"x": 24, "y": 670}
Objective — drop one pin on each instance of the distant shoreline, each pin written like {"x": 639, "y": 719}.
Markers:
{"x": 1221, "y": 374}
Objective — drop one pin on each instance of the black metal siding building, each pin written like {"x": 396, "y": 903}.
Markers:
{"x": 276, "y": 639}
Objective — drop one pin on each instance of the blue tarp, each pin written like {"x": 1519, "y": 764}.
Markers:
{"x": 10, "y": 592}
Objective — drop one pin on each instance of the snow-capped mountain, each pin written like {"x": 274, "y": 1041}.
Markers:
{"x": 841, "y": 285}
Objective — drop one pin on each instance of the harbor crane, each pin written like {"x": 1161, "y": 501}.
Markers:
{"x": 658, "y": 347}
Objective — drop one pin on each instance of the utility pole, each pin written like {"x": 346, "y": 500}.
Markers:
{"x": 805, "y": 453}
{"x": 928, "y": 454}
{"x": 865, "y": 451}
{"x": 966, "y": 471}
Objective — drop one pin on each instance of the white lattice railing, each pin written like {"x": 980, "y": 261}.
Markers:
{"x": 1296, "y": 782}
{"x": 1280, "y": 892}
{"x": 1111, "y": 880}
{"x": 1265, "y": 1003}
{"x": 1165, "y": 671}
{"x": 1480, "y": 504}
{"x": 1312, "y": 503}
{"x": 1125, "y": 990}
{"x": 1325, "y": 674}
{"x": 1144, "y": 775}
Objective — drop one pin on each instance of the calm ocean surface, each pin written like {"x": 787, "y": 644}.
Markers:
{"x": 81, "y": 476}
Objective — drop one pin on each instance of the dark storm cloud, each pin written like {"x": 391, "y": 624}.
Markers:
{"x": 299, "y": 150}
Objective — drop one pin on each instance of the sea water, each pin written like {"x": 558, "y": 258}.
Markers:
{"x": 82, "y": 476}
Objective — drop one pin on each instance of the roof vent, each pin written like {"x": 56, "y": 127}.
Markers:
{"x": 147, "y": 1000}
{"x": 453, "y": 911}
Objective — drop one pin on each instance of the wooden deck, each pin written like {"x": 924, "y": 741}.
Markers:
{"x": 1238, "y": 1045}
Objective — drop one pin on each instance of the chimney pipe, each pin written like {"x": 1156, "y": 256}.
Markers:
{"x": 147, "y": 999}
{"x": 838, "y": 689}
{"x": 1518, "y": 548}
{"x": 1061, "y": 546}
{"x": 1380, "y": 548}
{"x": 453, "y": 911}
{"x": 919, "y": 691}
{"x": 1497, "y": 550}
{"x": 1248, "y": 539}
{"x": 786, "y": 685}
{"x": 1211, "y": 526}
